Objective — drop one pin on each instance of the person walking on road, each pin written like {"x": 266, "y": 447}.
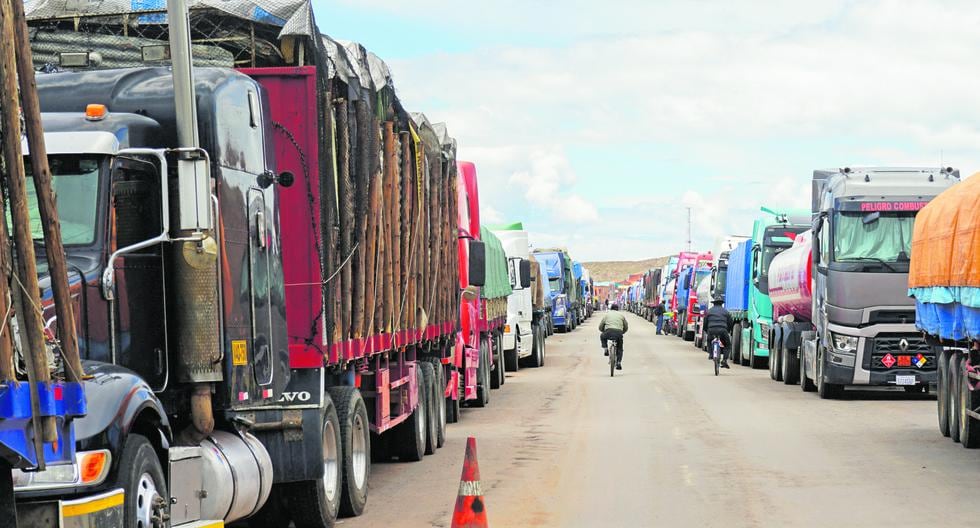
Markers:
{"x": 613, "y": 326}
{"x": 659, "y": 312}
{"x": 717, "y": 320}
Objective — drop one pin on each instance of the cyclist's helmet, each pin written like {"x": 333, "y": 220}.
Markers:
{"x": 718, "y": 299}
{"x": 614, "y": 306}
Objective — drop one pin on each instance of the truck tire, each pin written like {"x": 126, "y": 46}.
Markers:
{"x": 969, "y": 426}
{"x": 311, "y": 503}
{"x": 806, "y": 384}
{"x": 737, "y": 344}
{"x": 413, "y": 432}
{"x": 499, "y": 360}
{"x": 512, "y": 357}
{"x": 483, "y": 375}
{"x": 497, "y": 370}
{"x": 140, "y": 475}
{"x": 688, "y": 334}
{"x": 790, "y": 366}
{"x": 454, "y": 401}
{"x": 355, "y": 438}
{"x": 441, "y": 407}
{"x": 428, "y": 391}
{"x": 942, "y": 392}
{"x": 536, "y": 359}
{"x": 543, "y": 343}
{"x": 953, "y": 394}
{"x": 826, "y": 391}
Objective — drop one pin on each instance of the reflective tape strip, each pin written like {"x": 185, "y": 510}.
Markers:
{"x": 470, "y": 488}
{"x": 93, "y": 504}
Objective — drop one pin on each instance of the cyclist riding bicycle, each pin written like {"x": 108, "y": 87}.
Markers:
{"x": 717, "y": 321}
{"x": 613, "y": 326}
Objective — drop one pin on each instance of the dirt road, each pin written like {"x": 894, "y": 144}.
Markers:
{"x": 665, "y": 443}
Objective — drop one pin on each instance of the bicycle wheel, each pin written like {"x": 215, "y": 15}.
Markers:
{"x": 717, "y": 361}
{"x": 613, "y": 351}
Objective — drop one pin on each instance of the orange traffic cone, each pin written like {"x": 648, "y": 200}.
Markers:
{"x": 471, "y": 510}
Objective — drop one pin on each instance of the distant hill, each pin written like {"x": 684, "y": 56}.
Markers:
{"x": 617, "y": 271}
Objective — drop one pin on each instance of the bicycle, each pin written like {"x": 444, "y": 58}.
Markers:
{"x": 716, "y": 354}
{"x": 613, "y": 353}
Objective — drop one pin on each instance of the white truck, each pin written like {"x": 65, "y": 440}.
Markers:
{"x": 523, "y": 340}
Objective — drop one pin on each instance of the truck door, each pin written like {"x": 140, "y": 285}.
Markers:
{"x": 260, "y": 286}
{"x": 138, "y": 315}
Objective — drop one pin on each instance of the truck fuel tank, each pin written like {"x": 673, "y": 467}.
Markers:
{"x": 791, "y": 280}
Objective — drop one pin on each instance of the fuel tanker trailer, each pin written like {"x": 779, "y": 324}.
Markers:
{"x": 841, "y": 290}
{"x": 791, "y": 293}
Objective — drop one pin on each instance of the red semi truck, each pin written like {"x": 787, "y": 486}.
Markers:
{"x": 482, "y": 317}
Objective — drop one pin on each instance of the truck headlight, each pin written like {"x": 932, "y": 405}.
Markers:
{"x": 844, "y": 343}
{"x": 764, "y": 331}
{"x": 90, "y": 469}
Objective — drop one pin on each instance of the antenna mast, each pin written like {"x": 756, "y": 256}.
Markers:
{"x": 689, "y": 229}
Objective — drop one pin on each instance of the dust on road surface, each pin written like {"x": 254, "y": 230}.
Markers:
{"x": 665, "y": 443}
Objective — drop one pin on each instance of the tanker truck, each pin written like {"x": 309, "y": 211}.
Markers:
{"x": 839, "y": 294}
{"x": 772, "y": 233}
{"x": 944, "y": 279}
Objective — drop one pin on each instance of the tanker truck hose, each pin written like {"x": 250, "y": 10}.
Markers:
{"x": 202, "y": 417}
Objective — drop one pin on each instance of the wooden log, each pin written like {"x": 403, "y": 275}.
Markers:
{"x": 408, "y": 186}
{"x": 390, "y": 221}
{"x": 437, "y": 219}
{"x": 327, "y": 172}
{"x": 345, "y": 192}
{"x": 371, "y": 249}
{"x": 46, "y": 204}
{"x": 32, "y": 324}
{"x": 362, "y": 181}
{"x": 396, "y": 234}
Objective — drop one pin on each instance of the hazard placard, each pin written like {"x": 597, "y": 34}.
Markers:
{"x": 888, "y": 361}
{"x": 239, "y": 352}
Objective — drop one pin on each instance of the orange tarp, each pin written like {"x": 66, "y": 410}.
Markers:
{"x": 946, "y": 240}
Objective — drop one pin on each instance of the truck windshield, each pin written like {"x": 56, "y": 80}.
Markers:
{"x": 75, "y": 180}
{"x": 720, "y": 279}
{"x": 777, "y": 238}
{"x": 555, "y": 284}
{"x": 886, "y": 239}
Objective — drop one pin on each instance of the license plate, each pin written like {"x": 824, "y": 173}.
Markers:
{"x": 905, "y": 380}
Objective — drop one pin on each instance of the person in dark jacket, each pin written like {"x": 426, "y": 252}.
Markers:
{"x": 717, "y": 321}
{"x": 613, "y": 326}
{"x": 659, "y": 311}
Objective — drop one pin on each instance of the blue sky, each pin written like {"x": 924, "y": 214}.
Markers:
{"x": 597, "y": 124}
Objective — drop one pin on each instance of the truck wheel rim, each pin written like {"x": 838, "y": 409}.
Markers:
{"x": 359, "y": 452}
{"x": 146, "y": 498}
{"x": 330, "y": 465}
{"x": 441, "y": 404}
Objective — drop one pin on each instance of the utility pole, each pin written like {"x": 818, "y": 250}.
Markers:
{"x": 689, "y": 229}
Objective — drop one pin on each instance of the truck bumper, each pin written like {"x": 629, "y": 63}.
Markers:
{"x": 844, "y": 375}
{"x": 867, "y": 368}
{"x": 104, "y": 510}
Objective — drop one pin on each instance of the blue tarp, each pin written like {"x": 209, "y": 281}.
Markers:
{"x": 950, "y": 313}
{"x": 737, "y": 281}
{"x": 577, "y": 270}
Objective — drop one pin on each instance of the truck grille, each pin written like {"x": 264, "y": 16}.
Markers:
{"x": 902, "y": 352}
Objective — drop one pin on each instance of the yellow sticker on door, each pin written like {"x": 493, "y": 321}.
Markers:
{"x": 239, "y": 352}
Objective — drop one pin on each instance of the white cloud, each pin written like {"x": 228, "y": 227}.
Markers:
{"x": 731, "y": 90}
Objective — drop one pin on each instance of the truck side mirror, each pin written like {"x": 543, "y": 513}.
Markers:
{"x": 525, "y": 273}
{"x": 478, "y": 263}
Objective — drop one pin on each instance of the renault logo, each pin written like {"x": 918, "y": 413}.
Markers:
{"x": 904, "y": 345}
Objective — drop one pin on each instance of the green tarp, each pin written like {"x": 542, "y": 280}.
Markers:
{"x": 498, "y": 279}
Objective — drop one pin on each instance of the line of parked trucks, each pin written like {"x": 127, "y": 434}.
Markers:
{"x": 878, "y": 284}
{"x": 279, "y": 274}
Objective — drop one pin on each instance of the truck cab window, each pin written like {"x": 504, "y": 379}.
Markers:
{"x": 75, "y": 180}
{"x": 888, "y": 238}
